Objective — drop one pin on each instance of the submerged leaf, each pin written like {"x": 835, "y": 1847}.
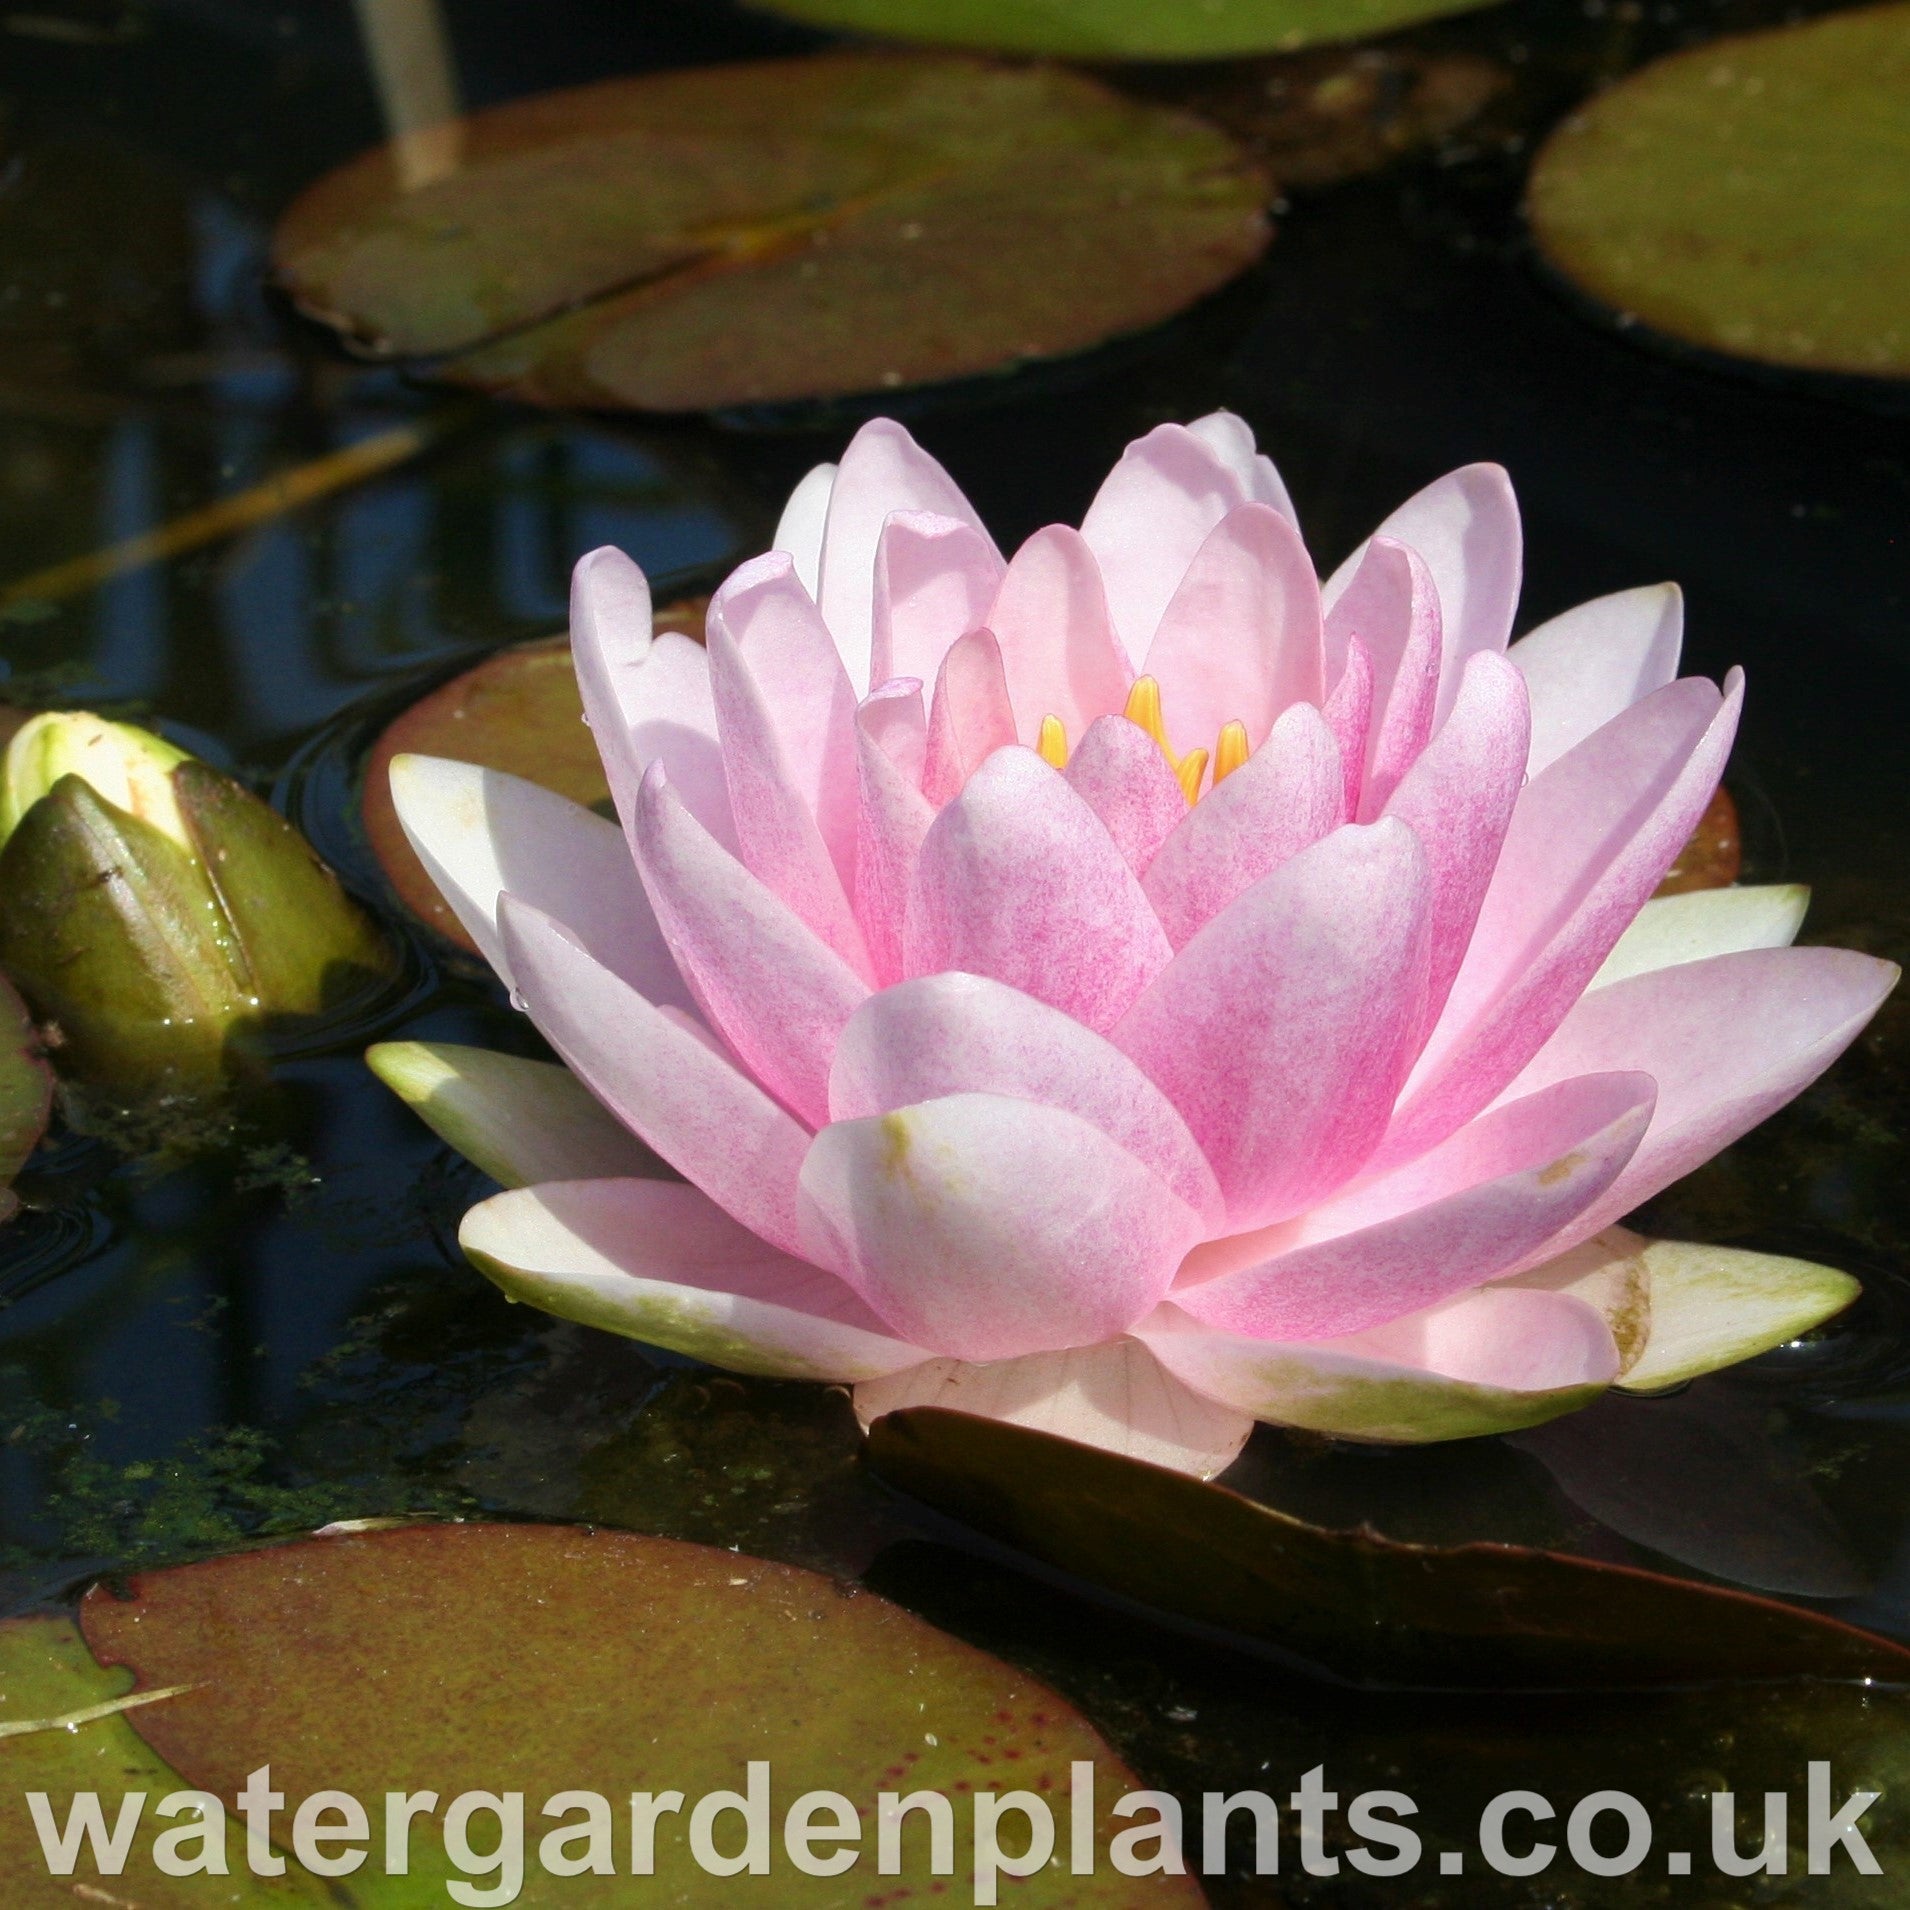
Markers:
{"x": 539, "y": 1659}
{"x": 1363, "y": 1608}
{"x": 782, "y": 229}
{"x": 1748, "y": 195}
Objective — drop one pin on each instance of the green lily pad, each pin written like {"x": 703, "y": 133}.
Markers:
{"x": 1365, "y": 1609}
{"x": 26, "y": 1093}
{"x": 1748, "y": 196}
{"x": 775, "y": 230}
{"x": 540, "y": 1659}
{"x": 1121, "y": 29}
{"x": 519, "y": 711}
{"x": 47, "y": 1677}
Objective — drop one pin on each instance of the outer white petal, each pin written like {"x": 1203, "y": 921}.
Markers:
{"x": 799, "y": 529}
{"x": 1671, "y": 929}
{"x": 1115, "y": 1395}
{"x": 657, "y": 1261}
{"x": 479, "y": 832}
{"x": 521, "y": 1121}
{"x": 1714, "y": 1306}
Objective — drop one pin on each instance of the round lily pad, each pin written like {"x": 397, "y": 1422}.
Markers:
{"x": 540, "y": 1659}
{"x": 519, "y": 710}
{"x": 1121, "y": 29}
{"x": 1367, "y": 1609}
{"x": 1748, "y": 196}
{"x": 26, "y": 1093}
{"x": 773, "y": 230}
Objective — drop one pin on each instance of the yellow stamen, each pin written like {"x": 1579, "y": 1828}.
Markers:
{"x": 1230, "y": 751}
{"x": 1052, "y": 744}
{"x": 1190, "y": 769}
{"x": 1144, "y": 710}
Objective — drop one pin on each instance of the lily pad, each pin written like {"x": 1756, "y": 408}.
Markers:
{"x": 519, "y": 711}
{"x": 540, "y": 1659}
{"x": 775, "y": 230}
{"x": 26, "y": 1093}
{"x": 1748, "y": 196}
{"x": 48, "y": 1678}
{"x": 1362, "y": 1608}
{"x": 1121, "y": 29}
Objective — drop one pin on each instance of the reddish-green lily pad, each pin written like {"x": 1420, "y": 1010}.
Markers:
{"x": 519, "y": 711}
{"x": 1748, "y": 196}
{"x": 541, "y": 1659}
{"x": 1365, "y": 1609}
{"x": 26, "y": 1093}
{"x": 50, "y": 1681}
{"x": 775, "y": 230}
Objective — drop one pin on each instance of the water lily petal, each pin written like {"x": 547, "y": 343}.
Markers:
{"x": 1484, "y": 1362}
{"x": 1391, "y": 604}
{"x": 707, "y": 1119}
{"x": 1349, "y": 715}
{"x": 1714, "y": 1306}
{"x": 883, "y": 471}
{"x": 657, "y": 1261}
{"x": 983, "y": 1227}
{"x": 970, "y": 717}
{"x": 1287, "y": 795}
{"x": 1466, "y": 527}
{"x": 775, "y": 990}
{"x": 799, "y": 530}
{"x": 1460, "y": 797}
{"x": 1461, "y": 1215}
{"x": 955, "y": 1034}
{"x": 1058, "y": 645}
{"x": 1116, "y": 1396}
{"x": 1231, "y": 439}
{"x": 1607, "y": 1272}
{"x": 1671, "y": 929}
{"x": 935, "y": 578}
{"x": 647, "y": 699}
{"x": 786, "y": 717}
{"x": 480, "y": 831}
{"x": 1019, "y": 880}
{"x": 519, "y": 1120}
{"x": 1120, "y": 773}
{"x": 891, "y": 750}
{"x": 1239, "y": 641}
{"x": 1281, "y": 1031}
{"x": 1597, "y": 660}
{"x": 1589, "y": 840}
{"x": 1153, "y": 511}
{"x": 1729, "y": 1041}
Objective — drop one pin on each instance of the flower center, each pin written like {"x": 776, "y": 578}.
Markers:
{"x": 1144, "y": 712}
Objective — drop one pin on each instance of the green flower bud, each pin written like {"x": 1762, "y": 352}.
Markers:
{"x": 163, "y": 923}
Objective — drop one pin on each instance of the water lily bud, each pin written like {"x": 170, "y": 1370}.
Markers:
{"x": 162, "y": 922}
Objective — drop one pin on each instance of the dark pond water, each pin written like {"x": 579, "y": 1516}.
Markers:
{"x": 280, "y": 1332}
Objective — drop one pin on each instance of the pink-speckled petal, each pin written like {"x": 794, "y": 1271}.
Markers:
{"x": 983, "y": 1227}
{"x": 935, "y": 578}
{"x": 1058, "y": 646}
{"x": 764, "y": 979}
{"x": 1239, "y": 640}
{"x": 1349, "y": 715}
{"x": 657, "y": 1261}
{"x": 970, "y": 717}
{"x": 1596, "y": 661}
{"x": 1282, "y": 1030}
{"x": 666, "y": 1084}
{"x": 1729, "y": 1041}
{"x": 1288, "y": 794}
{"x": 646, "y": 699}
{"x": 958, "y": 1034}
{"x": 1018, "y": 880}
{"x": 883, "y": 471}
{"x": 1458, "y": 1217}
{"x": 1120, "y": 773}
{"x": 1590, "y": 839}
{"x": 891, "y": 749}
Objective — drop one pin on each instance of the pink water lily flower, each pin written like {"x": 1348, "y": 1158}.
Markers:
{"x": 1131, "y": 988}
